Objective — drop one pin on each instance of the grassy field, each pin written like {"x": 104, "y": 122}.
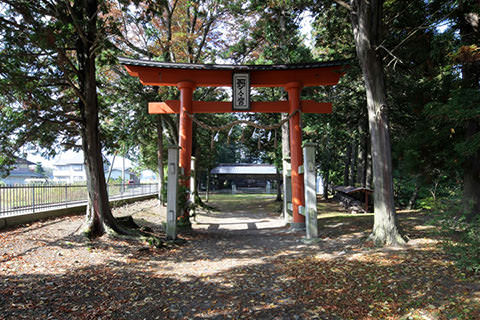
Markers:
{"x": 228, "y": 202}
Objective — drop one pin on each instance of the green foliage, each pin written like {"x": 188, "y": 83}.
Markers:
{"x": 185, "y": 206}
{"x": 463, "y": 235}
{"x": 39, "y": 169}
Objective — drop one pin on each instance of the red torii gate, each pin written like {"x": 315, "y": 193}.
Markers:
{"x": 186, "y": 77}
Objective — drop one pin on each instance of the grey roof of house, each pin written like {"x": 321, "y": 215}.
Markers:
{"x": 244, "y": 168}
{"x": 256, "y": 67}
{"x": 19, "y": 161}
{"x": 24, "y": 173}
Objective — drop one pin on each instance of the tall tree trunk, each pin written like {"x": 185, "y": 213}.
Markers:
{"x": 326, "y": 179}
{"x": 413, "y": 198}
{"x": 285, "y": 163}
{"x": 348, "y": 158}
{"x": 207, "y": 191}
{"x": 99, "y": 216}
{"x": 354, "y": 163}
{"x": 362, "y": 154}
{"x": 160, "y": 162}
{"x": 368, "y": 168}
{"x": 367, "y": 30}
{"x": 111, "y": 167}
{"x": 279, "y": 191}
{"x": 471, "y": 180}
{"x": 468, "y": 20}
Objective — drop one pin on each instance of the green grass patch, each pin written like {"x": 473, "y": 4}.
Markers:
{"x": 250, "y": 202}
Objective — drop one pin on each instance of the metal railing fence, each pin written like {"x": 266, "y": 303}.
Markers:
{"x": 26, "y": 199}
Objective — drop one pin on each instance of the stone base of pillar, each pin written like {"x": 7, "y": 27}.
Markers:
{"x": 297, "y": 226}
{"x": 311, "y": 241}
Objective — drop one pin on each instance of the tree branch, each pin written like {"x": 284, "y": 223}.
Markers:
{"x": 344, "y": 4}
{"x": 81, "y": 34}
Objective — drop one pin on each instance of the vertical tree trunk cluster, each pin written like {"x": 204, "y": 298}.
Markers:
{"x": 358, "y": 164}
{"x": 367, "y": 30}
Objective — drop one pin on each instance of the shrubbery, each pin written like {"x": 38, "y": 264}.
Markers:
{"x": 463, "y": 235}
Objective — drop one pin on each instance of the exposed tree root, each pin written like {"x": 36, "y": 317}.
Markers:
{"x": 199, "y": 202}
{"x": 125, "y": 228}
{"x": 393, "y": 239}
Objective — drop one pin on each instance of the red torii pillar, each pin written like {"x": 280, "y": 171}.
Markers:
{"x": 185, "y": 130}
{"x": 296, "y": 156}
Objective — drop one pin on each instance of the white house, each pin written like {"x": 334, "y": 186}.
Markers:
{"x": 70, "y": 168}
{"x": 70, "y": 171}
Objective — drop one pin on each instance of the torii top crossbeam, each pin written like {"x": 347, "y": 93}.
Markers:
{"x": 292, "y": 77}
{"x": 155, "y": 73}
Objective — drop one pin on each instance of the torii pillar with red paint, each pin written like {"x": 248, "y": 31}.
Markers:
{"x": 186, "y": 77}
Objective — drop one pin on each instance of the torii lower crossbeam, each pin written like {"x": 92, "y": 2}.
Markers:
{"x": 173, "y": 106}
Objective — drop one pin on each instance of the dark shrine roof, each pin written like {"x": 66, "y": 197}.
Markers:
{"x": 253, "y": 67}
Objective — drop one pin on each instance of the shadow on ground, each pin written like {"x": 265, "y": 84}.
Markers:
{"x": 255, "y": 273}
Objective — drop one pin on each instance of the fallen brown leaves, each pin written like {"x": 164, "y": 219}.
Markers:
{"x": 46, "y": 272}
{"x": 418, "y": 283}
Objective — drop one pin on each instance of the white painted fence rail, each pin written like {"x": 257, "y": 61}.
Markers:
{"x": 27, "y": 199}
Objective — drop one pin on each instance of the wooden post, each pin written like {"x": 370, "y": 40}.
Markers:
{"x": 185, "y": 132}
{"x": 172, "y": 192}
{"x": 293, "y": 89}
{"x": 310, "y": 192}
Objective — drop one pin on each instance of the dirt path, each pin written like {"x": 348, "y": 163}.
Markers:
{"x": 240, "y": 262}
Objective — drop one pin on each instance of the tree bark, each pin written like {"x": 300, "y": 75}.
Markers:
{"x": 354, "y": 163}
{"x": 325, "y": 184}
{"x": 160, "y": 161}
{"x": 111, "y": 167}
{"x": 469, "y": 33}
{"x": 367, "y": 29}
{"x": 413, "y": 198}
{"x": 98, "y": 216}
{"x": 362, "y": 153}
{"x": 279, "y": 191}
{"x": 207, "y": 191}
{"x": 368, "y": 168}
{"x": 346, "y": 171}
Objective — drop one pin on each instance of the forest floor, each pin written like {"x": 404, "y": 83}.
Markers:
{"x": 239, "y": 262}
